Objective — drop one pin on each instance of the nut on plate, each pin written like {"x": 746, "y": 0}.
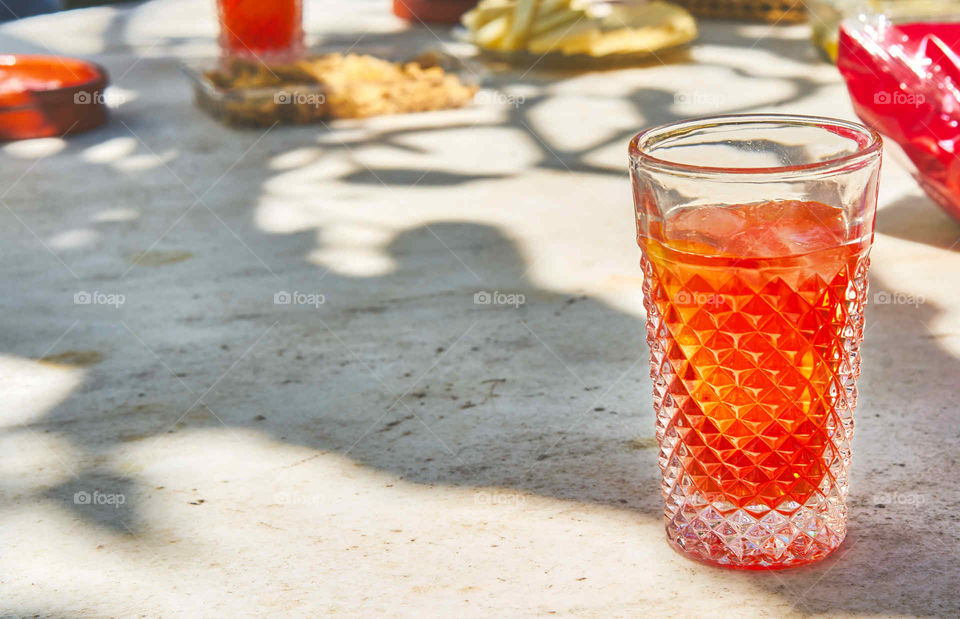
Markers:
{"x": 330, "y": 86}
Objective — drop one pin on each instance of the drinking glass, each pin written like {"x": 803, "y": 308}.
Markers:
{"x": 755, "y": 232}
{"x": 261, "y": 28}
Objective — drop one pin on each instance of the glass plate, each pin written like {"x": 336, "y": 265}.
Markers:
{"x": 297, "y": 104}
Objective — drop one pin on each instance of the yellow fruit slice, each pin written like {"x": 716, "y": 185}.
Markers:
{"x": 548, "y": 7}
{"x": 571, "y": 38}
{"x": 652, "y": 14}
{"x": 556, "y": 20}
{"x": 485, "y": 12}
{"x": 523, "y": 16}
{"x": 494, "y": 33}
{"x": 643, "y": 28}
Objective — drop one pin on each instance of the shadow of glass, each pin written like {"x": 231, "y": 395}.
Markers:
{"x": 899, "y": 554}
{"x": 548, "y": 393}
{"x": 916, "y": 218}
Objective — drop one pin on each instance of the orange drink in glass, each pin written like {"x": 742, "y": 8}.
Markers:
{"x": 261, "y": 28}
{"x": 755, "y": 233}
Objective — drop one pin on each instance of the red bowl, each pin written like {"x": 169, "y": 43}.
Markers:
{"x": 432, "y": 11}
{"x": 44, "y": 96}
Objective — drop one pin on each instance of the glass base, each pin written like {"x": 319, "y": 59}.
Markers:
{"x": 758, "y": 567}
{"x": 760, "y": 541}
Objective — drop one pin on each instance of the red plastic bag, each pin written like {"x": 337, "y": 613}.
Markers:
{"x": 904, "y": 80}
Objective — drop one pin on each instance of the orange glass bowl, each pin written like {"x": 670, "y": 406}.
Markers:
{"x": 45, "y": 96}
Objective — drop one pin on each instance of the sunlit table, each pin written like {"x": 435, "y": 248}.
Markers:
{"x": 398, "y": 367}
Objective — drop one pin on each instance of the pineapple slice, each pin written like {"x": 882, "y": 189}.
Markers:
{"x": 486, "y": 12}
{"x": 523, "y": 16}
{"x": 549, "y": 7}
{"x": 493, "y": 34}
{"x": 553, "y": 21}
{"x": 569, "y": 38}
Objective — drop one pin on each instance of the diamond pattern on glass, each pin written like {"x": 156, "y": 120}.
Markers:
{"x": 754, "y": 386}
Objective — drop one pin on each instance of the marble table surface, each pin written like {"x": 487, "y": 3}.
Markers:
{"x": 182, "y": 445}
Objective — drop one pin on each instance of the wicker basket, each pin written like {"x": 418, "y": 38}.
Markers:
{"x": 783, "y": 11}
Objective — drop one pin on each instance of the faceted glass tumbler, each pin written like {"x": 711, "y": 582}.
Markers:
{"x": 255, "y": 29}
{"x": 755, "y": 232}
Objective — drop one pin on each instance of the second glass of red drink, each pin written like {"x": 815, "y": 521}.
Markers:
{"x": 261, "y": 29}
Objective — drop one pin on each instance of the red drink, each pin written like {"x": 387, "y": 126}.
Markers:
{"x": 261, "y": 27}
{"x": 755, "y": 281}
{"x": 755, "y": 318}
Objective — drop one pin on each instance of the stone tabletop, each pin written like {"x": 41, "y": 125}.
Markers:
{"x": 177, "y": 441}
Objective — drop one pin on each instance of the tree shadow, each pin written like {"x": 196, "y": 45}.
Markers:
{"x": 406, "y": 178}
{"x": 471, "y": 421}
{"x": 99, "y": 498}
{"x": 756, "y": 36}
{"x": 504, "y": 394}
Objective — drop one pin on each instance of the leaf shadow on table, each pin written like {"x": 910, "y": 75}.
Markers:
{"x": 403, "y": 177}
{"x": 656, "y": 106}
{"x": 653, "y": 104}
{"x": 551, "y": 398}
{"x": 762, "y": 38}
{"x": 498, "y": 396}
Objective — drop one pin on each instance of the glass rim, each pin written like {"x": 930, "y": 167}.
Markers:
{"x": 869, "y": 145}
